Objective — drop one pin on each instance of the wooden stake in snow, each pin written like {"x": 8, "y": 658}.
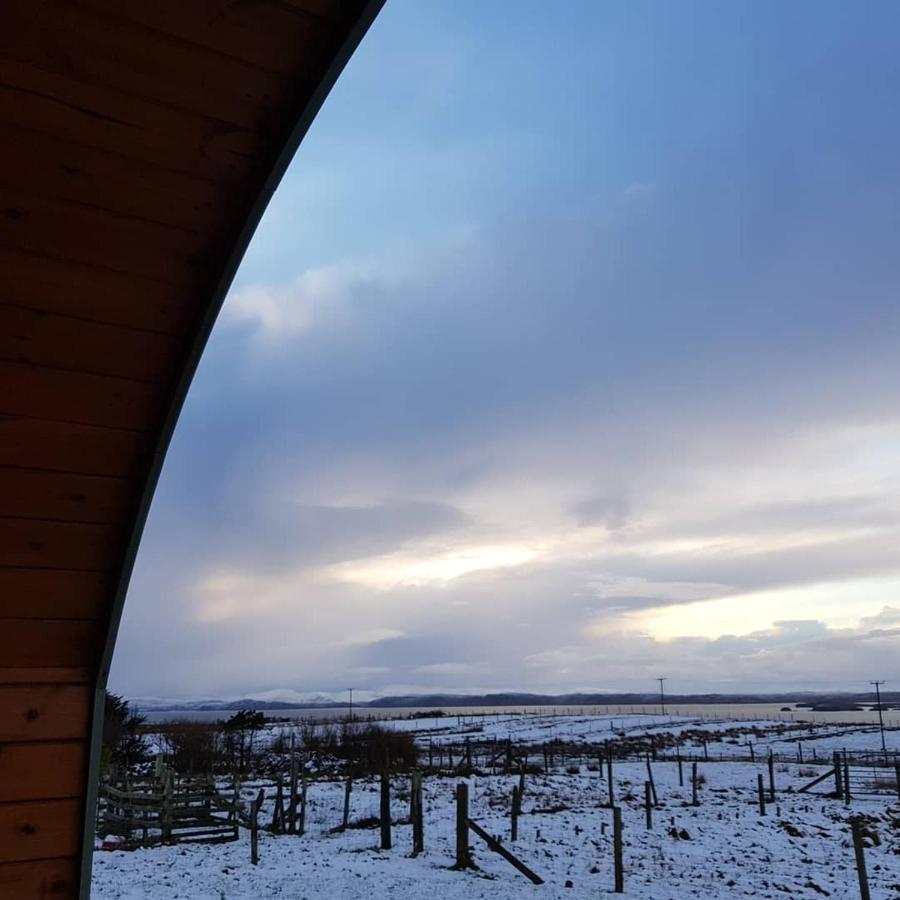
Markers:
{"x": 416, "y": 814}
{"x": 617, "y": 851}
{"x": 385, "y": 810}
{"x": 648, "y": 806}
{"x": 254, "y": 826}
{"x": 497, "y": 847}
{"x": 463, "y": 857}
{"x": 301, "y": 824}
{"x": 771, "y": 777}
{"x": 652, "y": 782}
{"x": 292, "y": 795}
{"x": 838, "y": 780}
{"x": 514, "y": 815}
{"x": 348, "y": 788}
{"x": 856, "y": 828}
{"x": 694, "y": 784}
{"x": 762, "y": 794}
{"x": 278, "y": 811}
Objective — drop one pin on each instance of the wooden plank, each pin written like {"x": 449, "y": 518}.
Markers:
{"x": 91, "y": 47}
{"x": 264, "y": 34}
{"x": 48, "y": 339}
{"x": 95, "y": 293}
{"x": 53, "y": 167}
{"x": 58, "y": 229}
{"x": 42, "y": 544}
{"x": 36, "y": 494}
{"x": 107, "y": 119}
{"x": 42, "y": 771}
{"x": 48, "y": 675}
{"x": 44, "y": 593}
{"x": 39, "y": 829}
{"x": 66, "y": 446}
{"x": 26, "y": 643}
{"x": 85, "y": 399}
{"x": 44, "y": 712}
{"x": 497, "y": 847}
{"x": 45, "y": 879}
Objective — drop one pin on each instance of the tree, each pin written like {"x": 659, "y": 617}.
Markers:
{"x": 240, "y": 732}
{"x": 123, "y": 742}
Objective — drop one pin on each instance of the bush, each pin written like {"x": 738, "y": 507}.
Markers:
{"x": 192, "y": 746}
{"x": 367, "y": 748}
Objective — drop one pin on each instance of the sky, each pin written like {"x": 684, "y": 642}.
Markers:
{"x": 565, "y": 357}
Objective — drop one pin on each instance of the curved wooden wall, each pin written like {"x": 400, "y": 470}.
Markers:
{"x": 140, "y": 141}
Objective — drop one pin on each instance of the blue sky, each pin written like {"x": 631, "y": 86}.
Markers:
{"x": 564, "y": 357}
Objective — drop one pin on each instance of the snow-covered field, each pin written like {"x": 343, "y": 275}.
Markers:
{"x": 721, "y": 848}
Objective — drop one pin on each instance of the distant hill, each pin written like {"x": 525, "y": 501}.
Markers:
{"x": 284, "y": 699}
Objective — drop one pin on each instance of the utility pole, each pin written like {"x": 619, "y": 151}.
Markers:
{"x": 662, "y": 694}
{"x": 880, "y": 716}
{"x": 351, "y": 704}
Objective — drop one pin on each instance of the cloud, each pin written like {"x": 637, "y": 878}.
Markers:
{"x": 477, "y": 388}
{"x": 365, "y": 638}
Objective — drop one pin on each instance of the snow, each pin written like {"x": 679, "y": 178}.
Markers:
{"x": 801, "y": 847}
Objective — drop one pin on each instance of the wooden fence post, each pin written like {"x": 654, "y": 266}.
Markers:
{"x": 856, "y": 827}
{"x": 292, "y": 799}
{"x": 752, "y": 754}
{"x": 348, "y": 787}
{"x": 617, "y": 850}
{"x": 385, "y": 810}
{"x": 278, "y": 811}
{"x": 694, "y": 785}
{"x": 168, "y": 804}
{"x": 418, "y": 818}
{"x": 301, "y": 824}
{"x": 838, "y": 780}
{"x": 468, "y": 756}
{"x": 680, "y": 770}
{"x": 514, "y": 815}
{"x": 762, "y": 794}
{"x": 771, "y": 777}
{"x": 254, "y": 826}
{"x": 463, "y": 857}
{"x": 897, "y": 773}
{"x": 846, "y": 781}
{"x": 651, "y": 782}
{"x": 648, "y": 806}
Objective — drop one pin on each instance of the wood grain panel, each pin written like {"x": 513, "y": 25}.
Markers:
{"x": 94, "y": 48}
{"x": 42, "y": 771}
{"x": 47, "y": 339}
{"x": 26, "y": 643}
{"x": 269, "y": 35}
{"x": 35, "y": 830}
{"x": 77, "y": 397}
{"x": 108, "y": 119}
{"x": 49, "y": 594}
{"x": 44, "y": 712}
{"x": 94, "y": 293}
{"x": 58, "y": 229}
{"x": 59, "y": 545}
{"x": 66, "y": 446}
{"x": 48, "y": 879}
{"x": 32, "y": 493}
{"x": 56, "y": 168}
{"x": 68, "y": 675}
